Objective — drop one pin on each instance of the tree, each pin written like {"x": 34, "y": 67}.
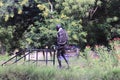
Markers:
{"x": 99, "y": 18}
{"x": 23, "y": 13}
{"x": 77, "y": 12}
{"x": 32, "y": 22}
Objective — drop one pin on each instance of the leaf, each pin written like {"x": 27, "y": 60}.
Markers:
{"x": 6, "y": 17}
{"x": 1, "y": 4}
{"x": 29, "y": 40}
{"x": 41, "y": 6}
{"x": 19, "y": 11}
{"x": 12, "y": 15}
{"x": 24, "y": 2}
{"x": 75, "y": 37}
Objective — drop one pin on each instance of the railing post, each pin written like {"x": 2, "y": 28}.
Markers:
{"x": 29, "y": 55}
{"x": 43, "y": 54}
{"x": 54, "y": 57}
{"x": 36, "y": 57}
{"x": 46, "y": 50}
{"x": 24, "y": 57}
{"x": 16, "y": 56}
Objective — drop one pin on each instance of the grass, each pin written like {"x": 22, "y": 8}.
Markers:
{"x": 4, "y": 57}
{"x": 106, "y": 67}
{"x": 32, "y": 72}
{"x": 80, "y": 69}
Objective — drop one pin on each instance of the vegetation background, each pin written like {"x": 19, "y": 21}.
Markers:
{"x": 31, "y": 24}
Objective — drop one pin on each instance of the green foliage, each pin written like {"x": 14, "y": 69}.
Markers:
{"x": 98, "y": 34}
{"x": 33, "y": 22}
{"x": 76, "y": 9}
{"x": 8, "y": 8}
{"x": 24, "y": 14}
{"x": 5, "y": 38}
{"x": 40, "y": 35}
{"x": 76, "y": 34}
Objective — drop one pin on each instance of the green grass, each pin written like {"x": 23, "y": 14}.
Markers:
{"x": 4, "y": 57}
{"x": 106, "y": 67}
{"x": 32, "y": 72}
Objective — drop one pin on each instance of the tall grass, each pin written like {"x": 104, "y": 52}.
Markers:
{"x": 4, "y": 57}
{"x": 50, "y": 73}
{"x": 26, "y": 73}
{"x": 105, "y": 67}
